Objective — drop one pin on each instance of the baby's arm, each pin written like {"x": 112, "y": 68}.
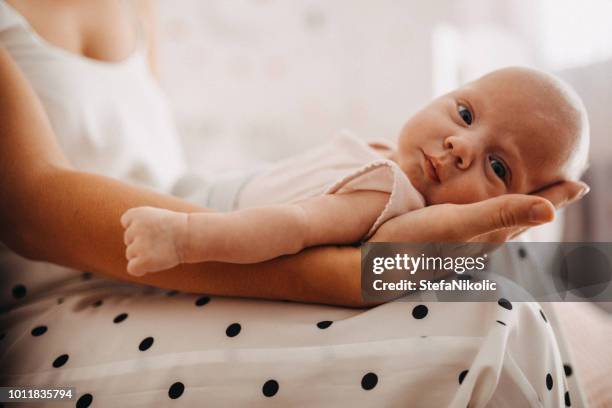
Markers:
{"x": 159, "y": 239}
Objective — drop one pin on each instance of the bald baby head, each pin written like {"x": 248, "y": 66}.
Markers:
{"x": 555, "y": 104}
{"x": 514, "y": 130}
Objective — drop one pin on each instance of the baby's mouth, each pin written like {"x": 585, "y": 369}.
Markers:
{"x": 430, "y": 169}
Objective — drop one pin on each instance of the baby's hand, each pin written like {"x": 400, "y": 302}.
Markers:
{"x": 154, "y": 239}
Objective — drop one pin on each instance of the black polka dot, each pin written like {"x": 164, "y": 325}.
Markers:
{"x": 568, "y": 370}
{"x": 60, "y": 361}
{"x": 420, "y": 311}
{"x": 60, "y": 300}
{"x": 369, "y": 381}
{"x": 568, "y": 402}
{"x": 201, "y": 301}
{"x": 84, "y": 401}
{"x": 324, "y": 324}
{"x": 176, "y": 390}
{"x": 86, "y": 275}
{"x": 97, "y": 303}
{"x": 233, "y": 330}
{"x": 522, "y": 252}
{"x": 145, "y": 344}
{"x": 500, "y": 322}
{"x": 172, "y": 293}
{"x": 549, "y": 382}
{"x": 19, "y": 291}
{"x": 462, "y": 375}
{"x": 39, "y": 331}
{"x": 270, "y": 388}
{"x": 505, "y": 303}
{"x": 543, "y": 316}
{"x": 120, "y": 317}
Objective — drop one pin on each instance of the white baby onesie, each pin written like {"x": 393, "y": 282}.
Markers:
{"x": 343, "y": 165}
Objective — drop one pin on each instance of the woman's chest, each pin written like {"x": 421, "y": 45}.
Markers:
{"x": 102, "y": 30}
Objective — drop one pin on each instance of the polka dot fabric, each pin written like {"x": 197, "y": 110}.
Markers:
{"x": 133, "y": 347}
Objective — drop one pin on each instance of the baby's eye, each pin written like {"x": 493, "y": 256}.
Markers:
{"x": 499, "y": 168}
{"x": 465, "y": 114}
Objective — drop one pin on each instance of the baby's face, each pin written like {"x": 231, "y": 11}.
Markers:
{"x": 493, "y": 136}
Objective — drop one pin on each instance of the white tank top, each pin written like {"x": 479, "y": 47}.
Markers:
{"x": 110, "y": 118}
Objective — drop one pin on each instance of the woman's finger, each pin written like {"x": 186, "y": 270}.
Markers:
{"x": 502, "y": 215}
{"x": 564, "y": 192}
{"x": 492, "y": 220}
{"x": 559, "y": 194}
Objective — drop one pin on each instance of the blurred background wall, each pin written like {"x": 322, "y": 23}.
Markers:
{"x": 252, "y": 81}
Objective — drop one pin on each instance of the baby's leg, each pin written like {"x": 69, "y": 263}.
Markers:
{"x": 155, "y": 239}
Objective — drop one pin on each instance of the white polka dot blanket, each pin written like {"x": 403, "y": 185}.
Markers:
{"x": 124, "y": 346}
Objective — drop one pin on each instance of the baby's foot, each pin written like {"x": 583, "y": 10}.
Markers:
{"x": 153, "y": 238}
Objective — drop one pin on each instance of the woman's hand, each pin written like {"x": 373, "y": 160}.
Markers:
{"x": 494, "y": 220}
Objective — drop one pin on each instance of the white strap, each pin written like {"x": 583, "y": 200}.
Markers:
{"x": 10, "y": 18}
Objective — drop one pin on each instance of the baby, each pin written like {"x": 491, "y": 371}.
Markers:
{"x": 514, "y": 130}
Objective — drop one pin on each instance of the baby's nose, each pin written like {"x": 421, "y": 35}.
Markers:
{"x": 461, "y": 150}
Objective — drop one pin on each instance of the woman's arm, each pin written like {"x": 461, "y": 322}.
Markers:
{"x": 49, "y": 211}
